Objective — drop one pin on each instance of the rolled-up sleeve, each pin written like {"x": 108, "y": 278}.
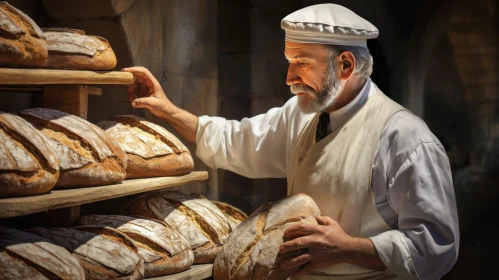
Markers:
{"x": 425, "y": 241}
{"x": 254, "y": 147}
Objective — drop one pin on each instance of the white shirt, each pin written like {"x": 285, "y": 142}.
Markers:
{"x": 411, "y": 177}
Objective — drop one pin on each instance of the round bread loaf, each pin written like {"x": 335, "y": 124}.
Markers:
{"x": 28, "y": 164}
{"x": 22, "y": 42}
{"x": 24, "y": 255}
{"x": 72, "y": 49}
{"x": 151, "y": 149}
{"x": 88, "y": 156}
{"x": 234, "y": 215}
{"x": 253, "y": 247}
{"x": 196, "y": 218}
{"x": 163, "y": 249}
{"x": 104, "y": 253}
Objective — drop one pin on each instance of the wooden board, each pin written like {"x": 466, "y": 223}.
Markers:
{"x": 72, "y": 99}
{"x": 12, "y": 76}
{"x": 18, "y": 206}
{"x": 196, "y": 272}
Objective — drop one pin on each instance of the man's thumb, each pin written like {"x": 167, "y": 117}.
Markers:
{"x": 144, "y": 102}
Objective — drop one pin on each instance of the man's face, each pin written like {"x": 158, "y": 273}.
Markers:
{"x": 311, "y": 76}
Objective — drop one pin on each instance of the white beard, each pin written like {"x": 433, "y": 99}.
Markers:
{"x": 320, "y": 100}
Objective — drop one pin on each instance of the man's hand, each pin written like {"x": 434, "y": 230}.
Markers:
{"x": 146, "y": 92}
{"x": 327, "y": 244}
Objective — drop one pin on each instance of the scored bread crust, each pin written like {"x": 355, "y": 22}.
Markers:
{"x": 88, "y": 156}
{"x": 72, "y": 49}
{"x": 28, "y": 163}
{"x": 253, "y": 247}
{"x": 22, "y": 42}
{"x": 198, "y": 220}
{"x": 103, "y": 252}
{"x": 163, "y": 249}
{"x": 233, "y": 214}
{"x": 151, "y": 149}
{"x": 24, "y": 255}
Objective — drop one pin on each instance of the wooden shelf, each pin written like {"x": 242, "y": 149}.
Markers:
{"x": 13, "y": 76}
{"x": 18, "y": 206}
{"x": 196, "y": 272}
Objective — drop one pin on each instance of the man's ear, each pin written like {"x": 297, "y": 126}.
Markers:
{"x": 347, "y": 64}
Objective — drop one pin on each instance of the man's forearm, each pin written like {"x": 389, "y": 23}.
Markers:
{"x": 182, "y": 121}
{"x": 364, "y": 254}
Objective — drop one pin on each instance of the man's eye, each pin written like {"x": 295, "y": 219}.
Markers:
{"x": 303, "y": 64}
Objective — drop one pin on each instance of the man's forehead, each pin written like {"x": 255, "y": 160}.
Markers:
{"x": 293, "y": 50}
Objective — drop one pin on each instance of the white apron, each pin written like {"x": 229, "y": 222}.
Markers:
{"x": 336, "y": 173}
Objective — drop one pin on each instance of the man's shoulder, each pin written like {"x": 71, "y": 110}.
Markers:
{"x": 403, "y": 134}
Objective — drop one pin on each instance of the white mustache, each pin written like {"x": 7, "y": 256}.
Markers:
{"x": 299, "y": 88}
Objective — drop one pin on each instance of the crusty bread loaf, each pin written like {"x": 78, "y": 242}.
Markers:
{"x": 151, "y": 149}
{"x": 28, "y": 164}
{"x": 88, "y": 156}
{"x": 163, "y": 249}
{"x": 196, "y": 218}
{"x": 253, "y": 247}
{"x": 22, "y": 42}
{"x": 234, "y": 215}
{"x": 24, "y": 255}
{"x": 104, "y": 253}
{"x": 72, "y": 49}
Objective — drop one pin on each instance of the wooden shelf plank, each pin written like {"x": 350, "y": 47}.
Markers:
{"x": 196, "y": 272}
{"x": 12, "y": 76}
{"x": 18, "y": 206}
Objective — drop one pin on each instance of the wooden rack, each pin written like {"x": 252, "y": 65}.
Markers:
{"x": 68, "y": 91}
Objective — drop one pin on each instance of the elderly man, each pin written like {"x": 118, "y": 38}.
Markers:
{"x": 381, "y": 179}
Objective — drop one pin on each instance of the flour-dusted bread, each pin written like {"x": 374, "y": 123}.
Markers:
{"x": 22, "y": 42}
{"x": 103, "y": 252}
{"x": 72, "y": 49}
{"x": 253, "y": 247}
{"x": 151, "y": 149}
{"x": 24, "y": 255}
{"x": 196, "y": 218}
{"x": 88, "y": 156}
{"x": 163, "y": 249}
{"x": 234, "y": 215}
{"x": 28, "y": 163}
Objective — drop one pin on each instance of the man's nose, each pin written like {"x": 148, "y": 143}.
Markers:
{"x": 292, "y": 77}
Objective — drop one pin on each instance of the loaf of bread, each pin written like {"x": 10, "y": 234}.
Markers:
{"x": 88, "y": 156}
{"x": 22, "y": 42}
{"x": 163, "y": 249}
{"x": 193, "y": 216}
{"x": 234, "y": 215}
{"x": 252, "y": 249}
{"x": 104, "y": 253}
{"x": 151, "y": 149}
{"x": 72, "y": 49}
{"x": 28, "y": 164}
{"x": 24, "y": 255}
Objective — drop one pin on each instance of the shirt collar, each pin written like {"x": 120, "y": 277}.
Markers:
{"x": 341, "y": 115}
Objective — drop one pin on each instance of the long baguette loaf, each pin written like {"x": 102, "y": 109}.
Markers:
{"x": 193, "y": 216}
{"x": 24, "y": 255}
{"x": 163, "y": 249}
{"x": 151, "y": 149}
{"x": 28, "y": 164}
{"x": 104, "y": 253}
{"x": 88, "y": 156}
{"x": 234, "y": 215}
{"x": 253, "y": 247}
{"x": 72, "y": 49}
{"x": 22, "y": 42}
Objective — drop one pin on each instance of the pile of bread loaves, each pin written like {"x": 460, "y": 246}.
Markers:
{"x": 157, "y": 234}
{"x": 24, "y": 44}
{"x": 44, "y": 148}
